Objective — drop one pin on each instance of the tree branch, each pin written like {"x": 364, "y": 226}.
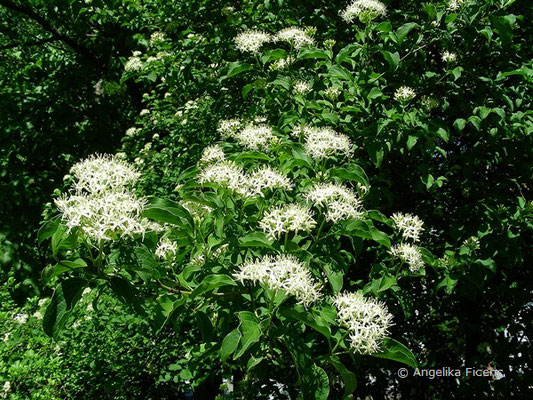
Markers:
{"x": 30, "y": 43}
{"x": 48, "y": 27}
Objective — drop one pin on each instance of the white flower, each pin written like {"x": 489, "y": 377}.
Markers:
{"x": 282, "y": 272}
{"x": 212, "y": 153}
{"x": 250, "y": 41}
{"x": 137, "y": 53}
{"x": 365, "y": 10}
{"x": 340, "y": 202}
{"x": 367, "y": 320}
{"x": 268, "y": 178}
{"x": 103, "y": 216}
{"x": 228, "y": 127}
{"x": 404, "y": 93}
{"x": 166, "y": 248}
{"x": 301, "y": 87}
{"x": 325, "y": 142}
{"x": 98, "y": 173}
{"x": 255, "y": 137}
{"x": 281, "y": 64}
{"x": 144, "y": 112}
{"x": 38, "y": 315}
{"x": 472, "y": 243}
{"x": 295, "y": 36}
{"x": 409, "y": 225}
{"x": 448, "y": 57}
{"x": 287, "y": 218}
{"x": 226, "y": 174}
{"x": 6, "y": 336}
{"x": 332, "y": 93}
{"x": 86, "y": 291}
{"x": 409, "y": 254}
{"x": 42, "y": 301}
{"x": 21, "y": 318}
{"x": 197, "y": 210}
{"x": 429, "y": 102}
{"x": 157, "y": 38}
{"x": 133, "y": 64}
{"x": 132, "y": 131}
{"x": 5, "y": 390}
{"x": 454, "y": 5}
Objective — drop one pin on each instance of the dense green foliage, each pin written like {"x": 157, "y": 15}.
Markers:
{"x": 457, "y": 155}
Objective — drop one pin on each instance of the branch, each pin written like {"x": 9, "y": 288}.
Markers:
{"x": 30, "y": 43}
{"x": 48, "y": 27}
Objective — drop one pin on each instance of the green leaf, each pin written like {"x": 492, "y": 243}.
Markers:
{"x": 459, "y": 124}
{"x": 298, "y": 313}
{"x": 235, "y": 68}
{"x": 351, "y": 172}
{"x": 256, "y": 239}
{"x": 229, "y": 344}
{"x": 246, "y": 89}
{"x": 315, "y": 383}
{"x": 65, "y": 297}
{"x": 394, "y": 350}
{"x": 250, "y": 330}
{"x": 411, "y": 141}
{"x": 339, "y": 72}
{"x": 167, "y": 211}
{"x": 62, "y": 266}
{"x": 126, "y": 293}
{"x": 312, "y": 53}
{"x": 392, "y": 58}
{"x": 348, "y": 378}
{"x": 403, "y": 30}
{"x": 212, "y": 282}
{"x": 47, "y": 230}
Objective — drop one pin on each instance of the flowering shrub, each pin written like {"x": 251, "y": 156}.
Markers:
{"x": 265, "y": 230}
{"x": 269, "y": 252}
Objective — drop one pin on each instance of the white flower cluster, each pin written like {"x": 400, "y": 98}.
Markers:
{"x": 409, "y": 225}
{"x": 410, "y": 254}
{"x": 454, "y": 5}
{"x": 211, "y": 154}
{"x": 133, "y": 64}
{"x": 472, "y": 243}
{"x": 6, "y": 388}
{"x": 282, "y": 272}
{"x": 21, "y": 318}
{"x": 157, "y": 38}
{"x": 198, "y": 210}
{"x": 367, "y": 320}
{"x": 404, "y": 93}
{"x": 103, "y": 215}
{"x": 281, "y": 64}
{"x": 166, "y": 248}
{"x": 429, "y": 102}
{"x": 268, "y": 178}
{"x": 296, "y": 37}
{"x": 228, "y": 127}
{"x": 132, "y": 131}
{"x": 365, "y": 10}
{"x": 226, "y": 174}
{"x": 301, "y": 87}
{"x": 325, "y": 142}
{"x": 448, "y": 57}
{"x": 287, "y": 218}
{"x": 99, "y": 173}
{"x": 100, "y": 204}
{"x": 332, "y": 92}
{"x": 340, "y": 202}
{"x": 251, "y": 41}
{"x": 255, "y": 137}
